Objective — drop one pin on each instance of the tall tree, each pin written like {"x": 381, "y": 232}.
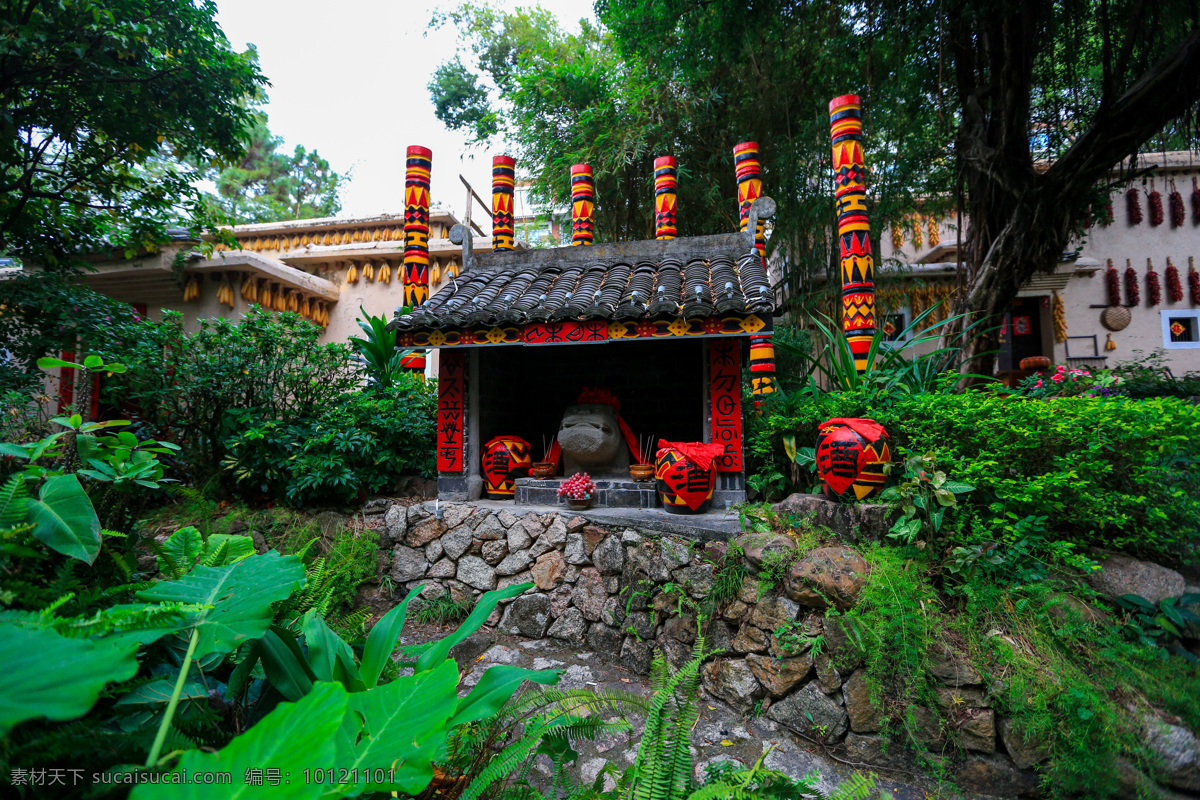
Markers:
{"x": 102, "y": 100}
{"x": 266, "y": 185}
{"x": 1079, "y": 85}
{"x": 962, "y": 99}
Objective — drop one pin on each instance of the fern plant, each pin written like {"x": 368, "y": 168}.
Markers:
{"x": 549, "y": 720}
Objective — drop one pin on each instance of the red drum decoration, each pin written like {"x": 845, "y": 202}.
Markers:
{"x": 851, "y": 454}
{"x": 684, "y": 486}
{"x": 505, "y": 459}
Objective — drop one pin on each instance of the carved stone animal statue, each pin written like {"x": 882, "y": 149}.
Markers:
{"x": 591, "y": 441}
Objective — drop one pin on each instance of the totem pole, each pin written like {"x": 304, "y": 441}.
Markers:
{"x": 416, "y": 239}
{"x": 666, "y": 184}
{"x": 503, "y": 180}
{"x": 854, "y": 230}
{"x": 416, "y": 226}
{"x": 749, "y": 182}
{"x": 583, "y": 204}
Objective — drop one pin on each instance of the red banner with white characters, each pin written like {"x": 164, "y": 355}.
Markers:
{"x": 451, "y": 414}
{"x": 725, "y": 395}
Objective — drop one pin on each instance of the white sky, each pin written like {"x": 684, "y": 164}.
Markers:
{"x": 348, "y": 79}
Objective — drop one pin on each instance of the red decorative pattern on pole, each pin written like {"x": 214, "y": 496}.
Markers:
{"x": 749, "y": 183}
{"x": 854, "y": 229}
{"x": 583, "y": 204}
{"x": 451, "y": 413}
{"x": 503, "y": 182}
{"x": 666, "y": 187}
{"x": 416, "y": 226}
{"x": 725, "y": 396}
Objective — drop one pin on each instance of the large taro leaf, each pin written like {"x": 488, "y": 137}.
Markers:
{"x": 240, "y": 596}
{"x": 404, "y": 724}
{"x": 64, "y": 518}
{"x": 47, "y": 675}
{"x": 293, "y": 738}
{"x": 146, "y": 702}
{"x": 474, "y": 621}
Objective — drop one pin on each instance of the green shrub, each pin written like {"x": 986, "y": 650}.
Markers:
{"x": 200, "y": 388}
{"x": 1149, "y": 377}
{"x": 1115, "y": 472}
{"x": 354, "y": 448}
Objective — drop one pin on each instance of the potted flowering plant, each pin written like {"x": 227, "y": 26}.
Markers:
{"x": 578, "y": 489}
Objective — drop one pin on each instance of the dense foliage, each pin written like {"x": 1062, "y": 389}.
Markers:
{"x": 103, "y": 100}
{"x": 47, "y": 315}
{"x": 1113, "y": 471}
{"x": 960, "y": 100}
{"x": 196, "y": 388}
{"x": 342, "y": 452}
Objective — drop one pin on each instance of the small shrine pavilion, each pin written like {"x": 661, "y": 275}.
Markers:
{"x": 667, "y": 328}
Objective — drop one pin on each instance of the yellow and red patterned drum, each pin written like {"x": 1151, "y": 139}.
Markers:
{"x": 684, "y": 486}
{"x": 851, "y": 455}
{"x": 505, "y": 459}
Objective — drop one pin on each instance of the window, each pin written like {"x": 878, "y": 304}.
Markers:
{"x": 1181, "y": 329}
{"x": 893, "y": 325}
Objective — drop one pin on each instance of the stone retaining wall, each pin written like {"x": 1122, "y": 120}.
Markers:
{"x": 628, "y": 594}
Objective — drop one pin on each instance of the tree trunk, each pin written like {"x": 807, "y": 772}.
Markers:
{"x": 1021, "y": 220}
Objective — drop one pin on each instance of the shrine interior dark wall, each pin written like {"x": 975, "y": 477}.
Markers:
{"x": 524, "y": 390}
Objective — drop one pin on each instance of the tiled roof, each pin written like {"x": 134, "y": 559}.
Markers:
{"x": 693, "y": 278}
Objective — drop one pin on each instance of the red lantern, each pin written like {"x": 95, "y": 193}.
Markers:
{"x": 851, "y": 454}
{"x": 505, "y": 459}
{"x": 684, "y": 486}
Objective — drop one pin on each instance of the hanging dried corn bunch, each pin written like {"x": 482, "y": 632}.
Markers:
{"x": 435, "y": 273}
{"x": 918, "y": 238}
{"x": 376, "y": 234}
{"x": 249, "y": 290}
{"x": 280, "y": 298}
{"x": 264, "y": 296}
{"x": 385, "y": 273}
{"x": 368, "y": 271}
{"x": 191, "y": 290}
{"x": 897, "y": 237}
{"x": 935, "y": 235}
{"x": 1178, "y": 213}
{"x": 1133, "y": 202}
{"x": 352, "y": 274}
{"x": 1193, "y": 281}
{"x": 1174, "y": 287}
{"x": 1133, "y": 293}
{"x": 1153, "y": 286}
{"x": 1060, "y": 319}
{"x": 293, "y": 302}
{"x": 1109, "y": 344}
{"x": 1156, "y": 206}
{"x": 1112, "y": 283}
{"x": 304, "y": 309}
{"x": 452, "y": 268}
{"x": 225, "y": 292}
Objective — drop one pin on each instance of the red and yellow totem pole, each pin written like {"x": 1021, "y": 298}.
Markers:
{"x": 583, "y": 204}
{"x": 416, "y": 240}
{"x": 666, "y": 184}
{"x": 503, "y": 180}
{"x": 749, "y": 181}
{"x": 854, "y": 230}
{"x": 416, "y": 226}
